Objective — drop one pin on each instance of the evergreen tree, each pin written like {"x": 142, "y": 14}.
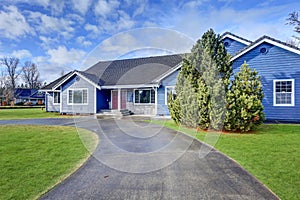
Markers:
{"x": 174, "y": 108}
{"x": 201, "y": 84}
{"x": 244, "y": 100}
{"x": 216, "y": 49}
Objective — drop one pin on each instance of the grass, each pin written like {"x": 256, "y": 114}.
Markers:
{"x": 27, "y": 113}
{"x": 34, "y": 158}
{"x": 271, "y": 153}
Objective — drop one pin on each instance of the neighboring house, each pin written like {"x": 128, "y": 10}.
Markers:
{"x": 29, "y": 95}
{"x": 278, "y": 64}
{"x": 141, "y": 85}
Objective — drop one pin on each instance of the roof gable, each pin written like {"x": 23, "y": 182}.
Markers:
{"x": 269, "y": 40}
{"x": 236, "y": 38}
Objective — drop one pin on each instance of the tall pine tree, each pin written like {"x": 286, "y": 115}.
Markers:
{"x": 199, "y": 87}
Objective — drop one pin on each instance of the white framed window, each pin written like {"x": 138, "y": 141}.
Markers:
{"x": 283, "y": 92}
{"x": 144, "y": 96}
{"x": 56, "y": 97}
{"x": 78, "y": 96}
{"x": 168, "y": 90}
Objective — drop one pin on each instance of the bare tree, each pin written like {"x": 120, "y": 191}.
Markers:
{"x": 12, "y": 73}
{"x": 30, "y": 75}
{"x": 293, "y": 42}
{"x": 294, "y": 21}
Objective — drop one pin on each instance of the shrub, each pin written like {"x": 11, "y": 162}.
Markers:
{"x": 244, "y": 101}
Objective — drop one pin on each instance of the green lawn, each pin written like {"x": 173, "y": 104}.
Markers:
{"x": 272, "y": 154}
{"x": 27, "y": 113}
{"x": 34, "y": 158}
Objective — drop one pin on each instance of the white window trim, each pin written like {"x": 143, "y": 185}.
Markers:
{"x": 54, "y": 98}
{"x": 87, "y": 96}
{"x": 166, "y": 94}
{"x": 143, "y": 103}
{"x": 292, "y": 96}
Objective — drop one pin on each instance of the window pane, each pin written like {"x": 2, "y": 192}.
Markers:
{"x": 283, "y": 98}
{"x": 283, "y": 91}
{"x": 56, "y": 97}
{"x": 289, "y": 86}
{"x": 144, "y": 96}
{"x": 70, "y": 96}
{"x": 77, "y": 96}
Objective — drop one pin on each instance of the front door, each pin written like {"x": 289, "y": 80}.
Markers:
{"x": 114, "y": 99}
{"x": 123, "y": 99}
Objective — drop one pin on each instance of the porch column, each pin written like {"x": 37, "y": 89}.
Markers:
{"x": 156, "y": 102}
{"x": 119, "y": 98}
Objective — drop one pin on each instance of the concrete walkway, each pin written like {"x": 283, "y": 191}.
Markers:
{"x": 136, "y": 160}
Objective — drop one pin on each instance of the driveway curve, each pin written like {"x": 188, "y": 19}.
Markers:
{"x": 137, "y": 160}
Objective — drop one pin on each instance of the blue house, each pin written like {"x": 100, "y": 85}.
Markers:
{"x": 23, "y": 95}
{"x": 278, "y": 64}
{"x": 141, "y": 85}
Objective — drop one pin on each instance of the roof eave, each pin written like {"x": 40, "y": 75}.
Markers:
{"x": 236, "y": 39}
{"x": 132, "y": 86}
{"x": 72, "y": 74}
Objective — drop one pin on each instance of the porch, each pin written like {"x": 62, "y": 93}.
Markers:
{"x": 140, "y": 101}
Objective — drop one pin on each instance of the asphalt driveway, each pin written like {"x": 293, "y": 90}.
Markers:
{"x": 137, "y": 160}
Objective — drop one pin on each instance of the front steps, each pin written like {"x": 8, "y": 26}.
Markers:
{"x": 113, "y": 114}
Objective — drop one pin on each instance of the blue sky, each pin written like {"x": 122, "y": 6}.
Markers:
{"x": 62, "y": 35}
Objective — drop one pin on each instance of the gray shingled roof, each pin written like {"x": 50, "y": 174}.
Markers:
{"x": 228, "y": 33}
{"x": 53, "y": 83}
{"x": 136, "y": 71}
{"x": 131, "y": 71}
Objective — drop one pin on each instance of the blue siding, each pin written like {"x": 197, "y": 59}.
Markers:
{"x": 234, "y": 46}
{"x": 103, "y": 99}
{"x": 50, "y": 105}
{"x": 162, "y": 108}
{"x": 73, "y": 83}
{"x": 277, "y": 63}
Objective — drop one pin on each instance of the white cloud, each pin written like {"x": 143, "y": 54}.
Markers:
{"x": 106, "y": 8}
{"x": 46, "y": 24}
{"x": 48, "y": 42}
{"x": 24, "y": 53}
{"x": 140, "y": 42}
{"x": 63, "y": 57}
{"x": 124, "y": 21}
{"x": 44, "y": 3}
{"x": 83, "y": 42}
{"x": 82, "y": 6}
{"x": 93, "y": 28}
{"x": 13, "y": 24}
{"x": 259, "y": 20}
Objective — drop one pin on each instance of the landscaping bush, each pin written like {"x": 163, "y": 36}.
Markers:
{"x": 244, "y": 101}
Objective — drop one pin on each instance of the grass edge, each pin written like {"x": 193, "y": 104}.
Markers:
{"x": 74, "y": 169}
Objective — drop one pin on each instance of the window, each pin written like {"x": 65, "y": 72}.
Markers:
{"x": 144, "y": 96}
{"x": 168, "y": 90}
{"x": 226, "y": 44}
{"x": 263, "y": 50}
{"x": 77, "y": 96}
{"x": 56, "y": 97}
{"x": 283, "y": 92}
